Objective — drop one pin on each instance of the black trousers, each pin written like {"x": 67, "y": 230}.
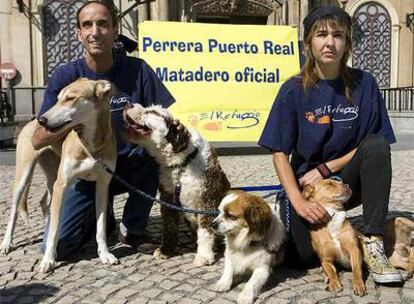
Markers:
{"x": 369, "y": 176}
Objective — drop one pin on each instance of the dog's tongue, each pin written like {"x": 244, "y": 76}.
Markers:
{"x": 130, "y": 121}
{"x": 133, "y": 128}
{"x": 138, "y": 129}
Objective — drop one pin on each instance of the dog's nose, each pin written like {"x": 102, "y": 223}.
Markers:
{"x": 42, "y": 121}
{"x": 214, "y": 225}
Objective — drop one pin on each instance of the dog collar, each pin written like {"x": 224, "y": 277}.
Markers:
{"x": 190, "y": 157}
{"x": 177, "y": 190}
{"x": 256, "y": 243}
{"x": 332, "y": 211}
{"x": 187, "y": 160}
{"x": 264, "y": 245}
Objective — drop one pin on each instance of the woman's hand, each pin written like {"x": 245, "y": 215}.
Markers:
{"x": 310, "y": 178}
{"x": 312, "y": 212}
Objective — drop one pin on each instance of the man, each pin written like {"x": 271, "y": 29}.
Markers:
{"x": 97, "y": 28}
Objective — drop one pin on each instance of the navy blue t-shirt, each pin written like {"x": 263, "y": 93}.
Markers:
{"x": 322, "y": 124}
{"x": 135, "y": 80}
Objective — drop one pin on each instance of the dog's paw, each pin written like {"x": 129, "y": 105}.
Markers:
{"x": 5, "y": 247}
{"x": 204, "y": 260}
{"x": 223, "y": 285}
{"x": 335, "y": 286}
{"x": 159, "y": 255}
{"x": 359, "y": 288}
{"x": 108, "y": 258}
{"x": 245, "y": 297}
{"x": 46, "y": 265}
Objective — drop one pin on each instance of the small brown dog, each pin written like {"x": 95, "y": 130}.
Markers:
{"x": 336, "y": 241}
{"x": 398, "y": 244}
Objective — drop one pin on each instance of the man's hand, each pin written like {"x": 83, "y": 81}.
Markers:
{"x": 312, "y": 212}
{"x": 42, "y": 137}
{"x": 310, "y": 178}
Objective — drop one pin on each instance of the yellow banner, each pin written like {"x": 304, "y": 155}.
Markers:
{"x": 223, "y": 77}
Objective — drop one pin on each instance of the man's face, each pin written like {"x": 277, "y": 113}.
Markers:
{"x": 97, "y": 32}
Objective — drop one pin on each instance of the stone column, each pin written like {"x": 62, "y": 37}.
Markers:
{"x": 395, "y": 41}
{"x": 143, "y": 11}
{"x": 182, "y": 14}
{"x": 304, "y": 9}
{"x": 160, "y": 10}
{"x": 285, "y": 13}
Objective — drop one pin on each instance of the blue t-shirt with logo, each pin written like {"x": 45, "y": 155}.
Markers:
{"x": 321, "y": 124}
{"x": 136, "y": 82}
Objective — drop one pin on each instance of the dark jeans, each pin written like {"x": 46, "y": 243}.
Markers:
{"x": 369, "y": 176}
{"x": 77, "y": 223}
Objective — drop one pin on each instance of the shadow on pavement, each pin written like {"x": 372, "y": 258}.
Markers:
{"x": 186, "y": 243}
{"x": 281, "y": 274}
{"x": 27, "y": 293}
{"x": 23, "y": 244}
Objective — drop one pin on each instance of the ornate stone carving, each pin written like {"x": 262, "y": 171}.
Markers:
{"x": 232, "y": 7}
{"x": 59, "y": 36}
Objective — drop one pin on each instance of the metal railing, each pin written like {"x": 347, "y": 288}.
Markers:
{"x": 6, "y": 111}
{"x": 24, "y": 102}
{"x": 399, "y": 99}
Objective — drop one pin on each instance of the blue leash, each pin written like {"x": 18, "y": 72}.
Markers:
{"x": 260, "y": 188}
{"x": 277, "y": 190}
{"x": 281, "y": 199}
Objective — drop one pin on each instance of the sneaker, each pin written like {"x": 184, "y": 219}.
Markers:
{"x": 377, "y": 262}
{"x": 134, "y": 240}
{"x": 140, "y": 243}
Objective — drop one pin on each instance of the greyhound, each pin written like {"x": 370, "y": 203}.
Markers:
{"x": 83, "y": 110}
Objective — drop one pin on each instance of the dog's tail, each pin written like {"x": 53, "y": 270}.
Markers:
{"x": 21, "y": 189}
{"x": 22, "y": 186}
{"x": 26, "y": 158}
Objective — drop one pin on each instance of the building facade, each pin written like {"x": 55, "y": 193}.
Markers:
{"x": 39, "y": 35}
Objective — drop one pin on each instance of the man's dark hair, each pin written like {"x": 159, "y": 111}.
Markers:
{"x": 108, "y": 5}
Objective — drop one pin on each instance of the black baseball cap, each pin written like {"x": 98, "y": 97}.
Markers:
{"x": 324, "y": 11}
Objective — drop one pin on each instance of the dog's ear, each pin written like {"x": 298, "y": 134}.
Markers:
{"x": 61, "y": 93}
{"x": 308, "y": 191}
{"x": 103, "y": 88}
{"x": 258, "y": 218}
{"x": 178, "y": 136}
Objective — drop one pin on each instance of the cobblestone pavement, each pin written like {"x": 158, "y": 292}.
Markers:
{"x": 141, "y": 279}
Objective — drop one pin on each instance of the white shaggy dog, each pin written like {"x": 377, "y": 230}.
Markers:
{"x": 189, "y": 175}
{"x": 254, "y": 237}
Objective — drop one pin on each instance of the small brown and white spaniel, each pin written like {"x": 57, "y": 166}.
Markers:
{"x": 254, "y": 236}
{"x": 189, "y": 174}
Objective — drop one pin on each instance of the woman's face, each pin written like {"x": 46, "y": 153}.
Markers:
{"x": 328, "y": 45}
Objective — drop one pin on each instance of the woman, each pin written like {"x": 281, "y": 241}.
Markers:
{"x": 332, "y": 119}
